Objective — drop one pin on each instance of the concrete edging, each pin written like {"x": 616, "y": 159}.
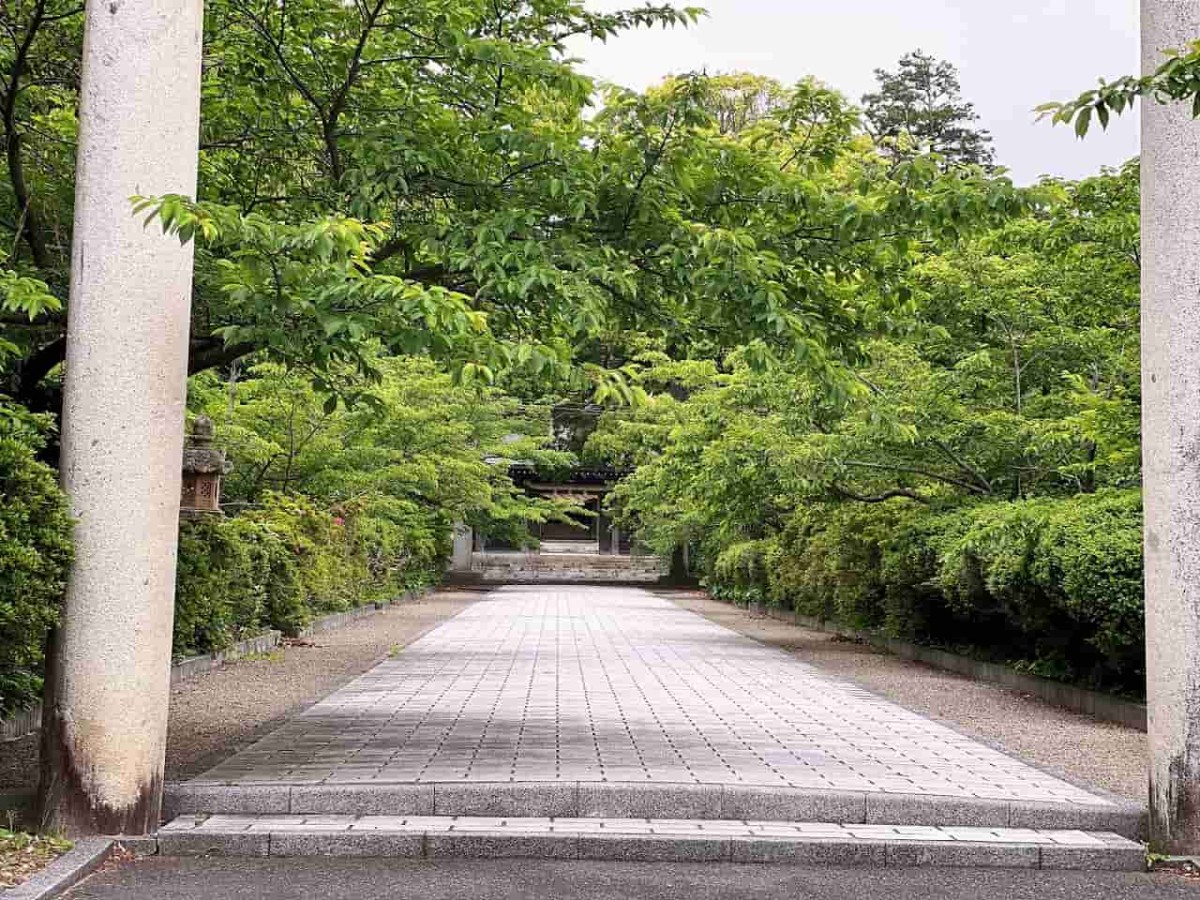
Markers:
{"x": 29, "y": 720}
{"x": 334, "y": 621}
{"x": 193, "y": 666}
{"x": 1101, "y": 706}
{"x": 68, "y": 870}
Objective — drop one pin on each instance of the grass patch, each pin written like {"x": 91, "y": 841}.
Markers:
{"x": 23, "y": 855}
{"x": 263, "y": 656}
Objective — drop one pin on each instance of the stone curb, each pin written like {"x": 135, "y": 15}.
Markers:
{"x": 68, "y": 870}
{"x": 194, "y": 666}
{"x": 494, "y": 844}
{"x": 334, "y": 621}
{"x": 1105, "y": 707}
{"x": 29, "y": 720}
{"x": 633, "y": 800}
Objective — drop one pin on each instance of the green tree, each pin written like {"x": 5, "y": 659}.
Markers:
{"x": 415, "y": 455}
{"x": 429, "y": 174}
{"x": 919, "y": 108}
{"x": 1011, "y": 372}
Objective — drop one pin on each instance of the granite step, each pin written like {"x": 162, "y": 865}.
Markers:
{"x": 647, "y": 840}
{"x": 567, "y": 799}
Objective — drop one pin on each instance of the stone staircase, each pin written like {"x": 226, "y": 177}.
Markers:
{"x": 649, "y": 823}
{"x": 607, "y": 723}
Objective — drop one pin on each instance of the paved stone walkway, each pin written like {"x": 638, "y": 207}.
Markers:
{"x": 596, "y": 684}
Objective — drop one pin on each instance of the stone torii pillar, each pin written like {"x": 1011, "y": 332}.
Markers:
{"x": 105, "y": 719}
{"x": 1171, "y": 436}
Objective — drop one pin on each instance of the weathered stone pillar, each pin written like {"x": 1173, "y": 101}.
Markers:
{"x": 1171, "y": 436}
{"x": 123, "y": 414}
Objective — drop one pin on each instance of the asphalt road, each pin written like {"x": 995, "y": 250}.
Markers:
{"x": 377, "y": 879}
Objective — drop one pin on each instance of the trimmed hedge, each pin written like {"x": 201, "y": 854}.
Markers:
{"x": 1053, "y": 584}
{"x": 35, "y": 551}
{"x": 282, "y": 565}
{"x": 274, "y": 567}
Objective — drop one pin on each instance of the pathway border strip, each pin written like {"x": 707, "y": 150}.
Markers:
{"x": 68, "y": 870}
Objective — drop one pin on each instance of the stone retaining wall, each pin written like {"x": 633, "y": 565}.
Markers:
{"x": 567, "y": 568}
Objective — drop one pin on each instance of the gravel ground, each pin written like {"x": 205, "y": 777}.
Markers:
{"x": 1082, "y": 749}
{"x": 165, "y": 878}
{"x": 215, "y": 715}
{"x": 24, "y": 855}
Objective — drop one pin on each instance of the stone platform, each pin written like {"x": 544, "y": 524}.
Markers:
{"x": 605, "y": 702}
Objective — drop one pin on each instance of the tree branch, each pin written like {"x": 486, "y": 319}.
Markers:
{"x": 907, "y": 493}
{"x": 31, "y": 229}
{"x": 924, "y": 473}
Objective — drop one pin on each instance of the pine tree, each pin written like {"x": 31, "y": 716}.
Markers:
{"x": 919, "y": 108}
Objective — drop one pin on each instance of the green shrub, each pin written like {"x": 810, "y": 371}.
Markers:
{"x": 741, "y": 572}
{"x": 830, "y": 562}
{"x": 1060, "y": 579}
{"x": 281, "y": 565}
{"x": 35, "y": 551}
{"x": 236, "y": 578}
{"x": 1054, "y": 584}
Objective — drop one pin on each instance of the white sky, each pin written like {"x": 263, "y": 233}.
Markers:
{"x": 1012, "y": 56}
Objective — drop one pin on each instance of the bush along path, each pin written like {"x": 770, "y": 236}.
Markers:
{"x": 607, "y": 723}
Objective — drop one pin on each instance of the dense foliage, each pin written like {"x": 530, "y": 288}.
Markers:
{"x": 34, "y": 553}
{"x": 439, "y": 177}
{"x": 976, "y": 481}
{"x": 1054, "y": 584}
{"x": 337, "y": 507}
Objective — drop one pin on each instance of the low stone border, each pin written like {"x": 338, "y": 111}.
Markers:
{"x": 193, "y": 666}
{"x": 29, "y": 720}
{"x": 572, "y": 799}
{"x": 1105, "y": 707}
{"x": 68, "y": 870}
{"x": 334, "y": 621}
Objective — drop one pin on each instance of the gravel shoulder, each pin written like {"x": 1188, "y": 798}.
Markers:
{"x": 166, "y": 878}
{"x": 1085, "y": 750}
{"x": 215, "y": 715}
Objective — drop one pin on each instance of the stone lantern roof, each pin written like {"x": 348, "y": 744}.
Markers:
{"x": 200, "y": 457}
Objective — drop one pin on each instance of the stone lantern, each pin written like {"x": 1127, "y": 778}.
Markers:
{"x": 203, "y": 466}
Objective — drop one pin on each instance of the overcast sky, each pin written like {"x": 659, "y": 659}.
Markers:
{"x": 1012, "y": 56}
